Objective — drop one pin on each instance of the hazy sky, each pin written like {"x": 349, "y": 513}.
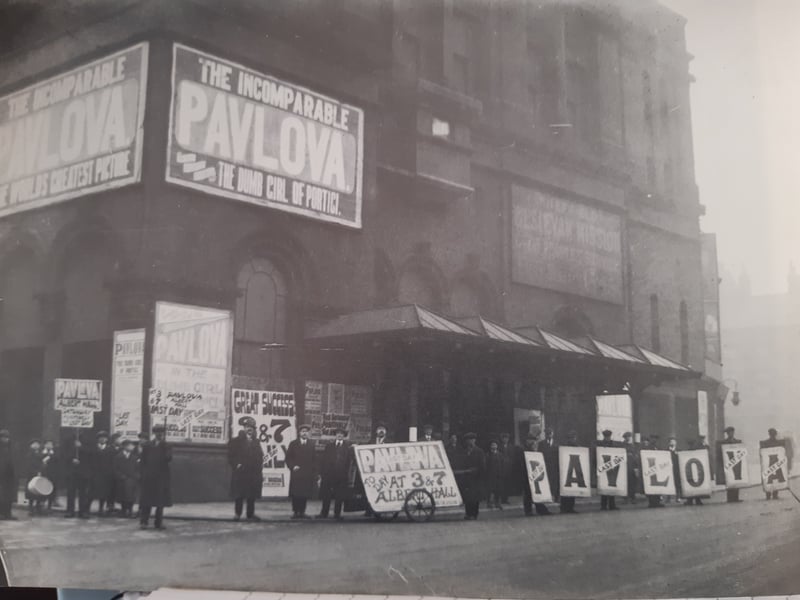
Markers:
{"x": 746, "y": 119}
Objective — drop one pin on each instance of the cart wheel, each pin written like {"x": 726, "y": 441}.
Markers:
{"x": 420, "y": 505}
{"x": 385, "y": 516}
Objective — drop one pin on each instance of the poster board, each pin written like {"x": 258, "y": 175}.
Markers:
{"x": 275, "y": 414}
{"x": 329, "y": 406}
{"x": 192, "y": 349}
{"x": 127, "y": 373}
{"x": 612, "y": 471}
{"x": 695, "y": 472}
{"x": 657, "y": 473}
{"x": 734, "y": 465}
{"x": 537, "y": 477}
{"x": 77, "y": 400}
{"x": 774, "y": 469}
{"x": 573, "y": 463}
{"x": 390, "y": 471}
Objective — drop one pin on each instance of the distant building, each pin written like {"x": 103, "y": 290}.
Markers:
{"x": 477, "y": 215}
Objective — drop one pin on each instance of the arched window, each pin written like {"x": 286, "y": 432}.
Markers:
{"x": 684, "y": 318}
{"x": 655, "y": 327}
{"x": 260, "y": 318}
{"x": 417, "y": 287}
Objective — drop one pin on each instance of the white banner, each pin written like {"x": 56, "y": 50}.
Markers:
{"x": 695, "y": 470}
{"x": 390, "y": 471}
{"x": 191, "y": 369}
{"x": 77, "y": 417}
{"x": 612, "y": 471}
{"x": 657, "y": 473}
{"x": 734, "y": 464}
{"x": 79, "y": 394}
{"x": 774, "y": 469}
{"x": 127, "y": 372}
{"x": 537, "y": 477}
{"x": 276, "y": 420}
{"x": 573, "y": 463}
{"x": 73, "y": 134}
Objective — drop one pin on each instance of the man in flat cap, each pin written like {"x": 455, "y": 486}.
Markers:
{"x": 334, "y": 471}
{"x": 8, "y": 478}
{"x": 427, "y": 433}
{"x": 633, "y": 468}
{"x": 730, "y": 438}
{"x": 101, "y": 483}
{"x": 607, "y": 502}
{"x": 246, "y": 458}
{"x": 301, "y": 460}
{"x": 155, "y": 483}
{"x": 472, "y": 477}
{"x": 773, "y": 442}
{"x": 549, "y": 449}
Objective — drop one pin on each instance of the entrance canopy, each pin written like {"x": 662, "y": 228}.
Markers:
{"x": 416, "y": 323}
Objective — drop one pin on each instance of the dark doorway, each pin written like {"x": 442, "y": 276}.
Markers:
{"x": 21, "y": 373}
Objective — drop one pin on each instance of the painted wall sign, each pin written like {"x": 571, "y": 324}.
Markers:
{"x": 241, "y": 134}
{"x": 73, "y": 134}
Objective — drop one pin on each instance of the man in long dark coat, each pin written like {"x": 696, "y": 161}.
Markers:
{"x": 471, "y": 479}
{"x": 549, "y": 449}
{"x": 77, "y": 462}
{"x": 126, "y": 478}
{"x": 730, "y": 438}
{"x": 301, "y": 460}
{"x": 246, "y": 458}
{"x": 773, "y": 442}
{"x": 8, "y": 479}
{"x": 101, "y": 484}
{"x": 633, "y": 466}
{"x": 155, "y": 478}
{"x": 335, "y": 469}
{"x": 510, "y": 478}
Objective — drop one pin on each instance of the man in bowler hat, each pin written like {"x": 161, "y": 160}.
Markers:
{"x": 246, "y": 458}
{"x": 334, "y": 471}
{"x": 101, "y": 484}
{"x": 155, "y": 478}
{"x": 301, "y": 460}
{"x": 472, "y": 477}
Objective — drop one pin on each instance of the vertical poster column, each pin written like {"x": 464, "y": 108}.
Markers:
{"x": 276, "y": 426}
{"x": 127, "y": 374}
{"x": 191, "y": 369}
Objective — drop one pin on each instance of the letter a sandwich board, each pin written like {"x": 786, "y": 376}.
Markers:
{"x": 734, "y": 465}
{"x": 657, "y": 473}
{"x": 573, "y": 463}
{"x": 537, "y": 477}
{"x": 774, "y": 469}
{"x": 695, "y": 473}
{"x": 612, "y": 471}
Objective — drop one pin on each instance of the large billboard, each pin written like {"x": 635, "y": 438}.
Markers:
{"x": 241, "y": 134}
{"x": 191, "y": 370}
{"x": 73, "y": 134}
{"x": 565, "y": 246}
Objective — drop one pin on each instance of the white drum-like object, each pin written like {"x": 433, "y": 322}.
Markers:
{"x": 40, "y": 486}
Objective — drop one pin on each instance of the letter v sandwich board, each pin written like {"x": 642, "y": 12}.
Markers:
{"x": 612, "y": 471}
{"x": 537, "y": 477}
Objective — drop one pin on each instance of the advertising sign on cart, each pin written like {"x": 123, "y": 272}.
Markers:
{"x": 391, "y": 471}
{"x": 276, "y": 420}
{"x": 537, "y": 477}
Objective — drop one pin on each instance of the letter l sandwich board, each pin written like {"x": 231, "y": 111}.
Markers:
{"x": 657, "y": 473}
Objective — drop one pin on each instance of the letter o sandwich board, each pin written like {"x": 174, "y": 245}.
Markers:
{"x": 774, "y": 469}
{"x": 612, "y": 471}
{"x": 573, "y": 463}
{"x": 734, "y": 465}
{"x": 537, "y": 477}
{"x": 657, "y": 473}
{"x": 695, "y": 473}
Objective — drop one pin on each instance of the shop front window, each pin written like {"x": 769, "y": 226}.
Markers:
{"x": 260, "y": 321}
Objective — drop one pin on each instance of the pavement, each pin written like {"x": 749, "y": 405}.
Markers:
{"x": 718, "y": 550}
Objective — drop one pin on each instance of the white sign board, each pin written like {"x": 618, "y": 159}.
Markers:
{"x": 573, "y": 462}
{"x": 73, "y": 134}
{"x": 127, "y": 372}
{"x": 695, "y": 470}
{"x": 734, "y": 464}
{"x": 537, "y": 477}
{"x": 79, "y": 393}
{"x": 77, "y": 417}
{"x": 774, "y": 469}
{"x": 612, "y": 471}
{"x": 276, "y": 420}
{"x": 191, "y": 370}
{"x": 390, "y": 471}
{"x": 657, "y": 473}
